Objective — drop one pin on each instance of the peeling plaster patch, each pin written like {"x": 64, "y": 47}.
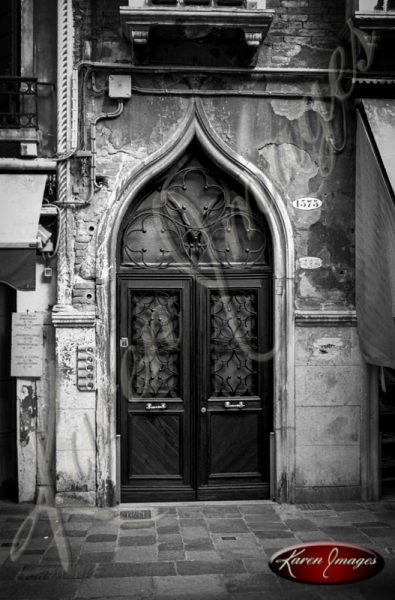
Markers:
{"x": 295, "y": 109}
{"x": 304, "y": 219}
{"x": 28, "y": 413}
{"x": 312, "y": 55}
{"x": 88, "y": 268}
{"x": 291, "y": 110}
{"x": 158, "y": 119}
{"x": 328, "y": 347}
{"x": 85, "y": 248}
{"x": 307, "y": 290}
{"x": 289, "y": 166}
{"x": 285, "y": 52}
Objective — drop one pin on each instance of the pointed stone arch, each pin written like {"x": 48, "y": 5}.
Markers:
{"x": 196, "y": 125}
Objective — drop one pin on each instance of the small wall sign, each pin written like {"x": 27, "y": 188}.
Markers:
{"x": 310, "y": 262}
{"x": 27, "y": 344}
{"x": 307, "y": 203}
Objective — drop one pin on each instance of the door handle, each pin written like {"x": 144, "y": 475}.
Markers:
{"x": 150, "y": 406}
{"x": 231, "y": 405}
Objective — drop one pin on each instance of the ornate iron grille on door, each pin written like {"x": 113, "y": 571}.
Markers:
{"x": 234, "y": 335}
{"x": 156, "y": 344}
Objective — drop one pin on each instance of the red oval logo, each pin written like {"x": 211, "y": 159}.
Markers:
{"x": 326, "y": 563}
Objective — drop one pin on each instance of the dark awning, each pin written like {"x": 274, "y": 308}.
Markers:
{"x": 21, "y": 197}
{"x": 375, "y": 231}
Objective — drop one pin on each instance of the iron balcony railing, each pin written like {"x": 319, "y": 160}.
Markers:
{"x": 18, "y": 102}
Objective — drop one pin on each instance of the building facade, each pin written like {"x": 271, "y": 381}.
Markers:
{"x": 196, "y": 181}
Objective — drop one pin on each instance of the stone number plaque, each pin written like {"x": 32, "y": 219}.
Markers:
{"x": 27, "y": 344}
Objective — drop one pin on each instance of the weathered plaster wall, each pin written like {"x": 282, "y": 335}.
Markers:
{"x": 146, "y": 123}
{"x": 75, "y": 421}
{"x": 273, "y": 134}
{"x": 304, "y": 151}
{"x": 331, "y": 397}
{"x": 276, "y": 136}
{"x": 36, "y": 399}
{"x": 303, "y": 33}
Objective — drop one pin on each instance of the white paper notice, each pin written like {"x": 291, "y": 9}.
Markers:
{"x": 27, "y": 344}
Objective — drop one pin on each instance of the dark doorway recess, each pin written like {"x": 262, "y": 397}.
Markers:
{"x": 195, "y": 339}
{"x": 8, "y": 476}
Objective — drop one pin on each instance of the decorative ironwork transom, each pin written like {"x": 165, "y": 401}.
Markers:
{"x": 194, "y": 221}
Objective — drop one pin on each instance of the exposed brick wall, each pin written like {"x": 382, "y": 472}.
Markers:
{"x": 312, "y": 25}
{"x": 84, "y": 294}
{"x": 304, "y": 24}
{"x": 98, "y": 23}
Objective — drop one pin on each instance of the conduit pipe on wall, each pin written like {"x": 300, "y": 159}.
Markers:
{"x": 94, "y": 186}
{"x": 225, "y": 71}
{"x": 74, "y": 136}
{"x": 112, "y": 115}
{"x": 264, "y": 71}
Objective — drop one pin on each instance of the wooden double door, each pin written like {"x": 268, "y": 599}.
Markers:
{"x": 195, "y": 391}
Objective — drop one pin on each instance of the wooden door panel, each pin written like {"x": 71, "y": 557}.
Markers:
{"x": 155, "y": 413}
{"x": 236, "y": 417}
{"x": 234, "y": 444}
{"x": 155, "y": 441}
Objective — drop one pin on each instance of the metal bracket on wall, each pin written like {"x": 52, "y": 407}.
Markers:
{"x": 86, "y": 376}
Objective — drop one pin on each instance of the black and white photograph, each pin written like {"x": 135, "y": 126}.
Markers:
{"x": 197, "y": 299}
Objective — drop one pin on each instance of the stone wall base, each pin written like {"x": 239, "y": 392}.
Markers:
{"x": 328, "y": 494}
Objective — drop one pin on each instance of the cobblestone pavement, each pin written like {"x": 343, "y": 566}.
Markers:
{"x": 200, "y": 551}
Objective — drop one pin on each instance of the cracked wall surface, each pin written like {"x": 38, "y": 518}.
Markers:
{"x": 302, "y": 142}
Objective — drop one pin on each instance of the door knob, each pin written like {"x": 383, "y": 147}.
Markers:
{"x": 203, "y": 409}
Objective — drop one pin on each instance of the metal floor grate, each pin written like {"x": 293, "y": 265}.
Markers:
{"x": 313, "y": 506}
{"x": 135, "y": 514}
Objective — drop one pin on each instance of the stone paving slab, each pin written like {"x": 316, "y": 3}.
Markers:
{"x": 204, "y": 551}
{"x": 117, "y": 586}
{"x": 129, "y": 569}
{"x": 195, "y": 586}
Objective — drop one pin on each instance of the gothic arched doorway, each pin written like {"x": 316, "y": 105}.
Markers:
{"x": 195, "y": 327}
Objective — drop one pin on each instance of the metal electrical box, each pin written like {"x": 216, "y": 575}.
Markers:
{"x": 120, "y": 86}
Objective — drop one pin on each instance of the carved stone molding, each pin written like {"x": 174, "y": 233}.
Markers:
{"x": 375, "y": 22}
{"x": 318, "y": 318}
{"x": 254, "y": 24}
{"x": 67, "y": 316}
{"x": 139, "y": 40}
